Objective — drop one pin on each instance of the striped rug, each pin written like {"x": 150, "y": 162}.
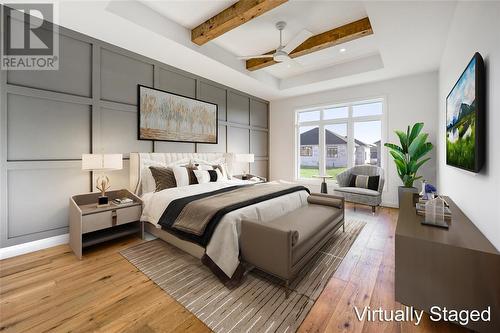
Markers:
{"x": 259, "y": 304}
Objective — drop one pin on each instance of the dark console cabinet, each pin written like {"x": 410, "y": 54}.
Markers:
{"x": 456, "y": 268}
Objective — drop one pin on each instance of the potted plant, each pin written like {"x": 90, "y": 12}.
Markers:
{"x": 408, "y": 156}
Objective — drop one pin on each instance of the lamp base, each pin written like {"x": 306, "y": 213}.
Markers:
{"x": 102, "y": 201}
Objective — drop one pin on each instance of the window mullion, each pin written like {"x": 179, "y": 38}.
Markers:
{"x": 322, "y": 149}
{"x": 350, "y": 139}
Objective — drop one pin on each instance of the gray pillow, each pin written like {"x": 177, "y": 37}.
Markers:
{"x": 164, "y": 178}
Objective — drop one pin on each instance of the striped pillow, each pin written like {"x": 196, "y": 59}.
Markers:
{"x": 164, "y": 178}
{"x": 362, "y": 181}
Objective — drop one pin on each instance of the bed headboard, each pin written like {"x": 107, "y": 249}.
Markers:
{"x": 137, "y": 165}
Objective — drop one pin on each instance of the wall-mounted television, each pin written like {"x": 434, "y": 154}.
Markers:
{"x": 465, "y": 118}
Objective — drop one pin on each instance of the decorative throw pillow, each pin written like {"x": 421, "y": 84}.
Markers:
{"x": 181, "y": 175}
{"x": 164, "y": 178}
{"x": 368, "y": 182}
{"x": 206, "y": 176}
{"x": 223, "y": 170}
{"x": 192, "y": 177}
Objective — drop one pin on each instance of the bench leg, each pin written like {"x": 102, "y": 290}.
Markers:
{"x": 287, "y": 288}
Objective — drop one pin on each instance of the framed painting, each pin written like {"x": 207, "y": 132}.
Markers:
{"x": 165, "y": 116}
{"x": 465, "y": 118}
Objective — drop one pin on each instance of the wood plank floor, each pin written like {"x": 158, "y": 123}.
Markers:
{"x": 50, "y": 290}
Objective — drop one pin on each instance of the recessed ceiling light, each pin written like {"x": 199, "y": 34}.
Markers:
{"x": 342, "y": 50}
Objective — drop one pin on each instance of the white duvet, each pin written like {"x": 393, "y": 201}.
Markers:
{"x": 223, "y": 248}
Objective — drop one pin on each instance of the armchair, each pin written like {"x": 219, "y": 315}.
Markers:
{"x": 361, "y": 195}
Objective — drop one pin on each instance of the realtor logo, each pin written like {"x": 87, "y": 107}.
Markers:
{"x": 30, "y": 39}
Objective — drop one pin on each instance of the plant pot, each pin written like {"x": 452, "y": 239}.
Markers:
{"x": 403, "y": 189}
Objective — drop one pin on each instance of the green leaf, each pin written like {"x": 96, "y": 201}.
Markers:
{"x": 415, "y": 131}
{"x": 397, "y": 154}
{"x": 403, "y": 138}
{"x": 422, "y": 150}
{"x": 417, "y": 143}
{"x": 417, "y": 166}
{"x": 394, "y": 147}
{"x": 401, "y": 166}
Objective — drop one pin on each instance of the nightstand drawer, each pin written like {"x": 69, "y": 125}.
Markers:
{"x": 98, "y": 221}
{"x": 129, "y": 214}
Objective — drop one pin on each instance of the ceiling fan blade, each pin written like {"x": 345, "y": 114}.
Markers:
{"x": 300, "y": 38}
{"x": 256, "y": 56}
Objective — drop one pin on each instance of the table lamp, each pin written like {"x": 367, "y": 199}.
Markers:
{"x": 102, "y": 163}
{"x": 245, "y": 158}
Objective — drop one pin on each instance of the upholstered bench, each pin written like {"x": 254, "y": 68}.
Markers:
{"x": 281, "y": 247}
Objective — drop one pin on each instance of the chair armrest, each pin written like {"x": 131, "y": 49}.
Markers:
{"x": 268, "y": 247}
{"x": 343, "y": 178}
{"x": 326, "y": 200}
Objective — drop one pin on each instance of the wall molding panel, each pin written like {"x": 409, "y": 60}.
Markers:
{"x": 48, "y": 119}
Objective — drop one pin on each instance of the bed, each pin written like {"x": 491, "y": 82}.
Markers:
{"x": 223, "y": 247}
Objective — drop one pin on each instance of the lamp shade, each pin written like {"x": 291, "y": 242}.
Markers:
{"x": 99, "y": 162}
{"x": 245, "y": 158}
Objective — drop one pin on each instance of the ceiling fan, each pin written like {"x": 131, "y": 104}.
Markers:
{"x": 282, "y": 52}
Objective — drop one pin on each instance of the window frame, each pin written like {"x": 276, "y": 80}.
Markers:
{"x": 349, "y": 121}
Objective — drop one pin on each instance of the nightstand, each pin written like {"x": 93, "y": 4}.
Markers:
{"x": 90, "y": 225}
{"x": 249, "y": 178}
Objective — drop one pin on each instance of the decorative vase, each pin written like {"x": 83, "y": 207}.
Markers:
{"x": 422, "y": 193}
{"x": 402, "y": 190}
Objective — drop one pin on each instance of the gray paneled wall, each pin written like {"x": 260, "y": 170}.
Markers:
{"x": 49, "y": 118}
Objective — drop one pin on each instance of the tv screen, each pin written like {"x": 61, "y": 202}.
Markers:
{"x": 465, "y": 128}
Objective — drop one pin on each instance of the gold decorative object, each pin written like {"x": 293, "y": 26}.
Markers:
{"x": 103, "y": 184}
{"x": 102, "y": 163}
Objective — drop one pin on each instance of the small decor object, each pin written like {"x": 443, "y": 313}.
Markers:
{"x": 165, "y": 116}
{"x": 430, "y": 191}
{"x": 465, "y": 118}
{"x": 102, "y": 163}
{"x": 245, "y": 158}
{"x": 422, "y": 193}
{"x": 435, "y": 213}
{"x": 408, "y": 156}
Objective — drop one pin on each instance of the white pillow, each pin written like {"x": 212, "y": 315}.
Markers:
{"x": 203, "y": 176}
{"x": 181, "y": 176}
{"x": 205, "y": 167}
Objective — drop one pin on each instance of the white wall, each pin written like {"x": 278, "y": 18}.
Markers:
{"x": 475, "y": 28}
{"x": 409, "y": 99}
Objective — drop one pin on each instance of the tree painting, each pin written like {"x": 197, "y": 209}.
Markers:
{"x": 169, "y": 117}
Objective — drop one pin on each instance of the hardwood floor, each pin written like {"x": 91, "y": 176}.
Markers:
{"x": 51, "y": 290}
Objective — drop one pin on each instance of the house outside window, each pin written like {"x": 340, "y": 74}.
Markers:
{"x": 333, "y": 138}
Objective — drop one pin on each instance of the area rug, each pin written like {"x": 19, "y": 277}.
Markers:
{"x": 259, "y": 304}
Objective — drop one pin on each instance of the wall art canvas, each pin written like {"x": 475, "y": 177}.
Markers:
{"x": 464, "y": 118}
{"x": 165, "y": 116}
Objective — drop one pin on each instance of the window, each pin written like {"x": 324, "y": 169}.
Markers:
{"x": 306, "y": 151}
{"x": 332, "y": 152}
{"x": 334, "y": 138}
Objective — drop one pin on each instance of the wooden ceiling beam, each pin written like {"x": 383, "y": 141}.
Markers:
{"x": 336, "y": 36}
{"x": 232, "y": 17}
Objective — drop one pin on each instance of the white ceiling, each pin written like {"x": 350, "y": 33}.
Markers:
{"x": 408, "y": 38}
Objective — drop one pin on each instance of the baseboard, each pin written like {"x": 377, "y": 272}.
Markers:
{"x": 389, "y": 204}
{"x": 16, "y": 250}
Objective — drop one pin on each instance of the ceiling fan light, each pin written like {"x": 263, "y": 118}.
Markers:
{"x": 281, "y": 56}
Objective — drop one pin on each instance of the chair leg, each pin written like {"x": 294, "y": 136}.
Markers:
{"x": 373, "y": 210}
{"x": 354, "y": 206}
{"x": 343, "y": 227}
{"x": 287, "y": 288}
